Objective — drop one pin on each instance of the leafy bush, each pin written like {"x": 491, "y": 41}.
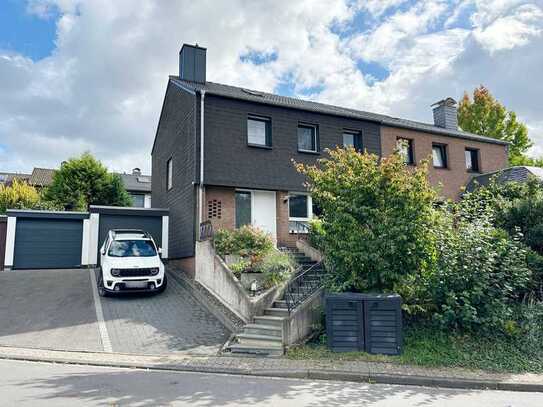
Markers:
{"x": 240, "y": 267}
{"x": 20, "y": 195}
{"x": 247, "y": 241}
{"x": 377, "y": 218}
{"x": 316, "y": 233}
{"x": 480, "y": 273}
{"x": 276, "y": 267}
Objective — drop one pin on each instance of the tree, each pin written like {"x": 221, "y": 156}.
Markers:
{"x": 84, "y": 181}
{"x": 377, "y": 217}
{"x": 486, "y": 116}
{"x": 18, "y": 195}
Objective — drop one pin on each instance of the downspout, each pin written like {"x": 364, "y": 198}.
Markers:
{"x": 201, "y": 186}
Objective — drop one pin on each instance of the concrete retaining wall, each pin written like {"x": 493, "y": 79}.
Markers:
{"x": 303, "y": 321}
{"x": 212, "y": 273}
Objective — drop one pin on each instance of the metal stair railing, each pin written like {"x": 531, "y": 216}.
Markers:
{"x": 301, "y": 287}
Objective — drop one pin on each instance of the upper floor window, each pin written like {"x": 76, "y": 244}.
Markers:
{"x": 307, "y": 138}
{"x": 439, "y": 155}
{"x": 169, "y": 174}
{"x": 405, "y": 148}
{"x": 352, "y": 139}
{"x": 259, "y": 131}
{"x": 472, "y": 159}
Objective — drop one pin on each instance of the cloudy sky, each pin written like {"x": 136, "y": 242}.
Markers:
{"x": 80, "y": 75}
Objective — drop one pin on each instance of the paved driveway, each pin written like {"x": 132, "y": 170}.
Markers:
{"x": 56, "y": 309}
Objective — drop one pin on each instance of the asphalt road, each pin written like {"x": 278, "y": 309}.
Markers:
{"x": 44, "y": 384}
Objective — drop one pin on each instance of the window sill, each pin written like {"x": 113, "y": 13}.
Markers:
{"x": 259, "y": 146}
{"x": 309, "y": 152}
{"x": 474, "y": 171}
{"x": 441, "y": 168}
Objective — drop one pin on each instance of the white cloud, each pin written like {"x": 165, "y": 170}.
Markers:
{"x": 102, "y": 88}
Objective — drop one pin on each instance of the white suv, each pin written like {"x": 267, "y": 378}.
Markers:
{"x": 130, "y": 262}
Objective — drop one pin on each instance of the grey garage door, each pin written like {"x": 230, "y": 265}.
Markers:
{"x": 48, "y": 243}
{"x": 150, "y": 224}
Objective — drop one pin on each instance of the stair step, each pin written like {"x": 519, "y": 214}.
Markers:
{"x": 259, "y": 340}
{"x": 257, "y": 350}
{"x": 261, "y": 329}
{"x": 269, "y": 320}
{"x": 280, "y": 304}
{"x": 276, "y": 312}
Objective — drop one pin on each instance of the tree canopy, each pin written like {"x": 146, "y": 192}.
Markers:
{"x": 486, "y": 116}
{"x": 19, "y": 195}
{"x": 85, "y": 181}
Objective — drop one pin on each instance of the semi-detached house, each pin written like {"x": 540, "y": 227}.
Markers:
{"x": 224, "y": 153}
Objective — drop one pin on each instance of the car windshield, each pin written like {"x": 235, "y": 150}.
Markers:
{"x": 132, "y": 248}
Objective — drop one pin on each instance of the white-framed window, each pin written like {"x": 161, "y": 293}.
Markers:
{"x": 439, "y": 155}
{"x": 300, "y": 212}
{"x": 308, "y": 140}
{"x": 169, "y": 174}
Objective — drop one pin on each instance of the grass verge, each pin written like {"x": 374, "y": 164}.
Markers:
{"x": 428, "y": 347}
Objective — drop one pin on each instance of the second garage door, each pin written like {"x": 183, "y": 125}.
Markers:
{"x": 48, "y": 243}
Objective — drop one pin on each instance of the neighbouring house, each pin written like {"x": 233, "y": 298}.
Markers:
{"x": 224, "y": 153}
{"x": 512, "y": 174}
{"x": 136, "y": 184}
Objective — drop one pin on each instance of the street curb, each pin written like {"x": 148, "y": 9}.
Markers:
{"x": 311, "y": 374}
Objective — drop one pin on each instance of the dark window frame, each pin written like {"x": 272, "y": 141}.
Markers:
{"x": 237, "y": 220}
{"x": 268, "y": 130}
{"x": 443, "y": 148}
{"x": 474, "y": 153}
{"x": 410, "y": 150}
{"x": 357, "y": 138}
{"x": 315, "y": 128}
{"x": 169, "y": 174}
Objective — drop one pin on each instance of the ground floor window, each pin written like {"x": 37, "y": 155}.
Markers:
{"x": 138, "y": 200}
{"x": 243, "y": 208}
{"x": 300, "y": 211}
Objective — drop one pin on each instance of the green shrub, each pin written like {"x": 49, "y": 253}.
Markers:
{"x": 377, "y": 219}
{"x": 276, "y": 266}
{"x": 247, "y": 241}
{"x": 316, "y": 233}
{"x": 240, "y": 267}
{"x": 480, "y": 273}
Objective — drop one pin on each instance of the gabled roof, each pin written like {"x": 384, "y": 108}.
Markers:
{"x": 136, "y": 182}
{"x": 7, "y": 177}
{"x": 250, "y": 95}
{"x": 511, "y": 174}
{"x": 41, "y": 177}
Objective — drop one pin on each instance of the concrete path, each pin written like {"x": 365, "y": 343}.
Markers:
{"x": 41, "y": 384}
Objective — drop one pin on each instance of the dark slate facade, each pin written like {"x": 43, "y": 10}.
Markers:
{"x": 176, "y": 139}
{"x": 229, "y": 161}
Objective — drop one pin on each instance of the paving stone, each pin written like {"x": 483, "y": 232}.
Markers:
{"x": 173, "y": 321}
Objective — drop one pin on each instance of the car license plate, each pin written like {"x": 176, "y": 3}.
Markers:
{"x": 135, "y": 284}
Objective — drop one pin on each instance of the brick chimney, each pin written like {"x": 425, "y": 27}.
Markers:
{"x": 446, "y": 114}
{"x": 192, "y": 63}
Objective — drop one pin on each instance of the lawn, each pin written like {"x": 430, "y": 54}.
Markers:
{"x": 424, "y": 346}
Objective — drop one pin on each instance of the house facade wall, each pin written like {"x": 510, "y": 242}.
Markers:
{"x": 176, "y": 139}
{"x": 229, "y": 161}
{"x": 492, "y": 157}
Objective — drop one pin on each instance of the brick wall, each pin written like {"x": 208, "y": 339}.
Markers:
{"x": 220, "y": 207}
{"x": 492, "y": 157}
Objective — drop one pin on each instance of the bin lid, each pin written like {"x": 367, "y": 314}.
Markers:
{"x": 363, "y": 296}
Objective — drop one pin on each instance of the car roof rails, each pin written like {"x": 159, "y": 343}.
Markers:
{"x": 115, "y": 232}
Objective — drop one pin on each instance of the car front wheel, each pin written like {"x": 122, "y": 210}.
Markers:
{"x": 101, "y": 290}
{"x": 164, "y": 285}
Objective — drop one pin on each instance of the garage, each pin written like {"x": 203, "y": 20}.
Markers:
{"x": 48, "y": 240}
{"x": 150, "y": 220}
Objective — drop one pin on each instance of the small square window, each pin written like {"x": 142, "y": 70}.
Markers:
{"x": 352, "y": 139}
{"x": 169, "y": 174}
{"x": 259, "y": 131}
{"x": 472, "y": 159}
{"x": 307, "y": 138}
{"x": 439, "y": 155}
{"x": 405, "y": 147}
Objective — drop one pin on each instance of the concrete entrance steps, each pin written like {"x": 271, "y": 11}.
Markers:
{"x": 264, "y": 336}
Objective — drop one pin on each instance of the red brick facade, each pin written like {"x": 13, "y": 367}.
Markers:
{"x": 492, "y": 157}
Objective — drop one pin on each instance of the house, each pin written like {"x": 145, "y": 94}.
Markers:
{"x": 223, "y": 153}
{"x": 512, "y": 174}
{"x": 136, "y": 184}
